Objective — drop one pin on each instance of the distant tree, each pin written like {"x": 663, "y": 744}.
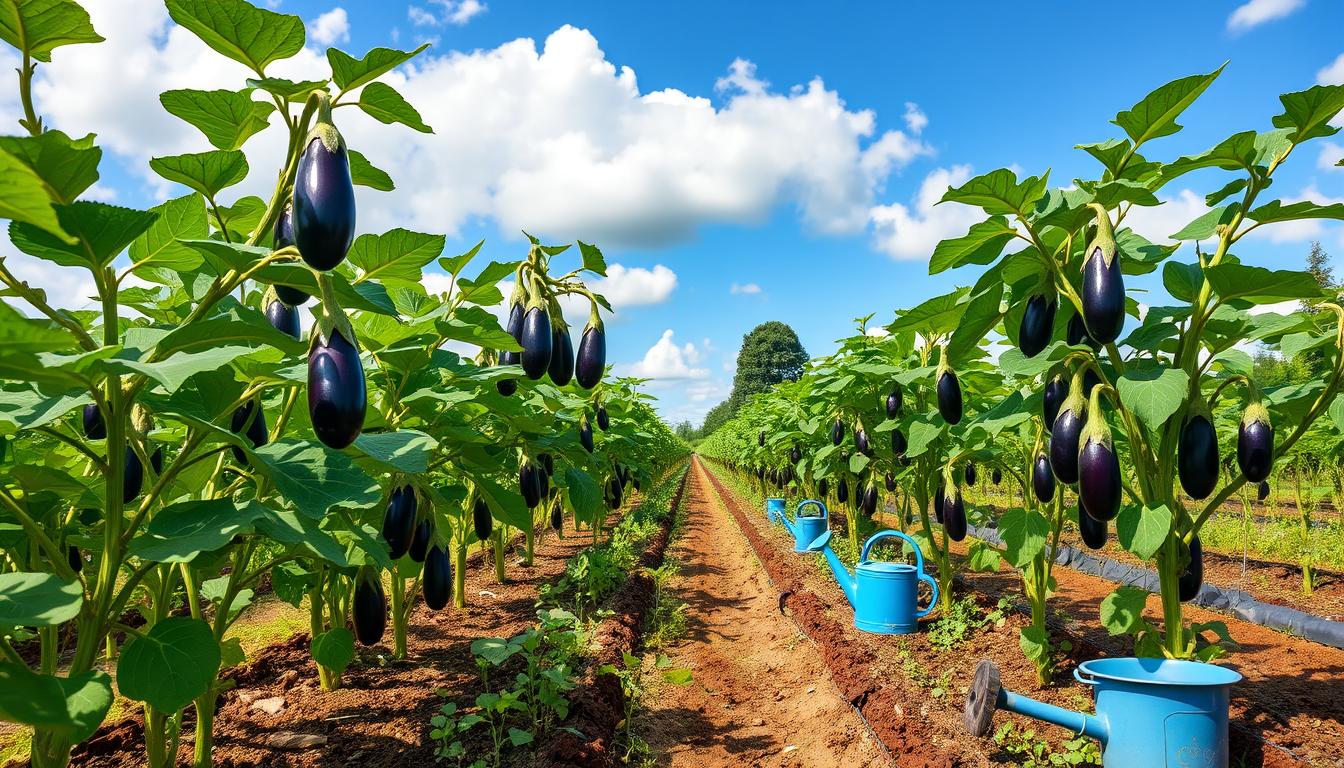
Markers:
{"x": 770, "y": 354}
{"x": 1318, "y": 264}
{"x": 685, "y": 430}
{"x": 1272, "y": 370}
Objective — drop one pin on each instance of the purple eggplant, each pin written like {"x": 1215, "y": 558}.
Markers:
{"x": 1064, "y": 440}
{"x": 547, "y": 463}
{"x": 251, "y": 427}
{"x": 890, "y": 482}
{"x": 861, "y": 441}
{"x": 1075, "y": 332}
{"x": 324, "y": 200}
{"x": 336, "y": 394}
{"x": 592, "y": 358}
{"x": 1092, "y": 531}
{"x": 1103, "y": 284}
{"x": 894, "y": 403}
{"x": 514, "y": 327}
{"x": 558, "y": 515}
{"x": 837, "y": 432}
{"x": 437, "y": 583}
{"x": 1197, "y": 454}
{"x": 1255, "y": 443}
{"x": 1038, "y": 324}
{"x": 1056, "y": 392}
{"x": 94, "y": 428}
{"x": 795, "y": 455}
{"x": 399, "y": 521}
{"x": 536, "y": 342}
{"x": 939, "y": 497}
{"x": 132, "y": 476}
{"x": 561, "y": 369}
{"x": 868, "y": 503}
{"x": 760, "y": 439}
{"x": 970, "y": 473}
{"x": 954, "y": 515}
{"x": 899, "y": 446}
{"x": 948, "y": 389}
{"x": 586, "y": 435}
{"x": 1192, "y": 576}
{"x": 369, "y": 610}
{"x": 1262, "y": 490}
{"x": 284, "y": 236}
{"x": 284, "y": 318}
{"x": 603, "y": 420}
{"x": 997, "y": 476}
{"x": 481, "y": 519}
{"x": 421, "y": 539}
{"x": 842, "y": 491}
{"x": 1098, "y": 466}
{"x": 1042, "y": 478}
{"x": 528, "y": 484}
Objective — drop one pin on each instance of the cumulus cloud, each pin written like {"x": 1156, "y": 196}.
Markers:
{"x": 666, "y": 361}
{"x": 330, "y": 28}
{"x": 636, "y": 287}
{"x": 1328, "y": 159}
{"x": 1333, "y": 73}
{"x": 911, "y": 232}
{"x": 1158, "y": 223}
{"x": 747, "y": 289}
{"x": 915, "y": 119}
{"x": 1257, "y": 12}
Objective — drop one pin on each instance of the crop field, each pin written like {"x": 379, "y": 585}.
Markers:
{"x": 291, "y": 483}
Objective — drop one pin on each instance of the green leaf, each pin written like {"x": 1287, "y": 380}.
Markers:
{"x": 227, "y": 118}
{"x": 66, "y": 166}
{"x": 1236, "y": 152}
{"x": 1122, "y": 610}
{"x": 382, "y": 102}
{"x": 1143, "y": 530}
{"x": 242, "y": 217}
{"x": 1155, "y": 115}
{"x": 405, "y": 450}
{"x": 334, "y": 649}
{"x": 593, "y": 260}
{"x": 1277, "y": 211}
{"x": 241, "y": 31}
{"x": 978, "y": 318}
{"x": 289, "y": 90}
{"x": 981, "y": 245}
{"x": 454, "y": 265}
{"x": 1153, "y": 392}
{"x": 170, "y": 665}
{"x": 1024, "y": 533}
{"x": 365, "y": 174}
{"x": 292, "y": 529}
{"x": 999, "y": 192}
{"x": 1182, "y": 281}
{"x": 31, "y": 699}
{"x": 41, "y": 26}
{"x": 315, "y": 478}
{"x": 1260, "y": 285}
{"x": 180, "y": 532}
{"x": 519, "y": 737}
{"x": 349, "y": 73}
{"x": 982, "y": 558}
{"x": 102, "y": 232}
{"x": 24, "y": 200}
{"x": 1205, "y": 225}
{"x": 395, "y": 257}
{"x": 158, "y": 247}
{"x": 678, "y": 676}
{"x": 1034, "y": 642}
{"x": 38, "y": 599}
{"x": 173, "y": 372}
{"x": 88, "y": 697}
{"x": 205, "y": 172}
{"x": 1309, "y": 112}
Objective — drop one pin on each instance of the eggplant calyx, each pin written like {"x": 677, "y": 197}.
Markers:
{"x": 1095, "y": 429}
{"x": 1104, "y": 240}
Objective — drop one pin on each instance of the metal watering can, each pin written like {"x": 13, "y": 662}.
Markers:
{"x": 774, "y": 508}
{"x": 805, "y": 528}
{"x": 882, "y": 594}
{"x": 1163, "y": 713}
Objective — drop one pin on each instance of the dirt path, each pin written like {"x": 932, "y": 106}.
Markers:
{"x": 761, "y": 696}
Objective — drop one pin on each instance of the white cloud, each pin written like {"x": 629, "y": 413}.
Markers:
{"x": 741, "y": 77}
{"x": 420, "y": 17}
{"x": 1257, "y": 12}
{"x": 330, "y": 28}
{"x": 1302, "y": 229}
{"x": 455, "y": 12}
{"x": 1332, "y": 74}
{"x": 636, "y": 287}
{"x": 666, "y": 361}
{"x": 915, "y": 119}
{"x": 911, "y": 232}
{"x": 1328, "y": 159}
{"x": 747, "y": 289}
{"x": 1158, "y": 223}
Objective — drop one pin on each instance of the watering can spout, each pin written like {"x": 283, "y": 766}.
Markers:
{"x": 988, "y": 694}
{"x": 842, "y": 575}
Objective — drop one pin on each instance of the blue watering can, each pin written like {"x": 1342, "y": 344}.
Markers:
{"x": 882, "y": 594}
{"x": 805, "y": 528}
{"x": 1163, "y": 713}
{"x": 774, "y": 508}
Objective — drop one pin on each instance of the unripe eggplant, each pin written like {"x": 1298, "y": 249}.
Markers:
{"x": 869, "y": 502}
{"x": 1255, "y": 443}
{"x": 284, "y": 236}
{"x": 536, "y": 342}
{"x": 324, "y": 199}
{"x": 528, "y": 485}
{"x": 970, "y": 473}
{"x": 894, "y": 403}
{"x": 837, "y": 432}
{"x": 954, "y": 515}
{"x": 1098, "y": 466}
{"x": 94, "y": 428}
{"x": 284, "y": 318}
{"x": 558, "y": 515}
{"x": 481, "y": 519}
{"x": 997, "y": 477}
{"x": 822, "y": 488}
{"x": 369, "y": 609}
{"x": 74, "y": 558}
{"x": 861, "y": 441}
{"x": 586, "y": 435}
{"x": 420, "y": 540}
{"x": 1038, "y": 324}
{"x": 890, "y": 483}
{"x": 939, "y": 498}
{"x": 1064, "y": 440}
{"x": 1103, "y": 284}
{"x": 842, "y": 491}
{"x": 795, "y": 455}
{"x": 899, "y": 445}
{"x": 437, "y": 584}
{"x": 561, "y": 369}
{"x": 948, "y": 387}
{"x": 1056, "y": 392}
{"x": 255, "y": 427}
{"x": 1042, "y": 479}
{"x": 1192, "y": 578}
{"x": 1262, "y": 490}
{"x": 592, "y": 358}
{"x": 1093, "y": 531}
{"x": 603, "y": 420}
{"x": 336, "y": 394}
{"x": 1197, "y": 453}
{"x": 399, "y": 521}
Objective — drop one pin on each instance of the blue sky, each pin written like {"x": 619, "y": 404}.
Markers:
{"x": 741, "y": 162}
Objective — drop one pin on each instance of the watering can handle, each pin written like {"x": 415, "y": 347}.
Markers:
{"x": 868, "y": 545}
{"x": 1084, "y": 679}
{"x": 824, "y": 512}
{"x": 933, "y": 599}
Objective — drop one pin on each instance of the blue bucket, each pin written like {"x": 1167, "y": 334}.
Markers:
{"x": 774, "y": 509}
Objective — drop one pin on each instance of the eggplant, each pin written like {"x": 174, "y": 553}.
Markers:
{"x": 132, "y": 476}
{"x": 536, "y": 342}
{"x": 1064, "y": 440}
{"x": 586, "y": 435}
{"x": 324, "y": 199}
{"x": 336, "y": 394}
{"x": 399, "y": 521}
{"x": 1042, "y": 479}
{"x": 822, "y": 488}
{"x": 603, "y": 420}
{"x": 1092, "y": 531}
{"x": 1192, "y": 577}
{"x": 760, "y": 439}
{"x": 954, "y": 515}
{"x": 528, "y": 485}
{"x": 869, "y": 501}
{"x": 369, "y": 609}
{"x": 890, "y": 482}
{"x": 899, "y": 445}
{"x": 74, "y": 558}
{"x": 948, "y": 387}
{"x": 1075, "y": 332}
{"x": 795, "y": 455}
{"x": 156, "y": 460}
{"x": 997, "y": 476}
{"x": 1038, "y": 324}
{"x": 506, "y": 387}
{"x": 1103, "y": 284}
{"x": 1262, "y": 490}
{"x": 94, "y": 428}
{"x": 592, "y": 358}
{"x": 970, "y": 473}
{"x": 1255, "y": 443}
{"x": 437, "y": 583}
{"x": 1098, "y": 466}
{"x": 894, "y": 403}
{"x": 1197, "y": 454}
{"x": 635, "y": 482}
{"x": 420, "y": 540}
{"x": 613, "y": 494}
{"x": 837, "y": 432}
{"x": 481, "y": 519}
{"x": 513, "y": 326}
{"x": 253, "y": 428}
{"x": 842, "y": 491}
{"x": 547, "y": 463}
{"x": 284, "y": 236}
{"x": 561, "y": 369}
{"x": 861, "y": 441}
{"x": 787, "y": 475}
{"x": 1090, "y": 381}
{"x": 1056, "y": 392}
{"x": 284, "y": 318}
{"x": 558, "y": 515}
{"x": 939, "y": 497}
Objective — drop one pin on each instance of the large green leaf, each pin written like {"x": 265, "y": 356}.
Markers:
{"x": 349, "y": 73}
{"x": 1260, "y": 285}
{"x": 405, "y": 450}
{"x": 292, "y": 529}
{"x": 1155, "y": 115}
{"x": 981, "y": 245}
{"x": 205, "y": 172}
{"x": 227, "y": 118}
{"x": 1308, "y": 113}
{"x": 170, "y": 665}
{"x": 102, "y": 231}
{"x": 158, "y": 247}
{"x": 1277, "y": 211}
{"x": 1000, "y": 193}
{"x": 1143, "y": 530}
{"x": 88, "y": 697}
{"x": 41, "y": 26}
{"x": 395, "y": 257}
{"x": 1122, "y": 610}
{"x": 1024, "y": 533}
{"x": 31, "y": 699}
{"x": 315, "y": 478}
{"x": 289, "y": 90}
{"x": 180, "y": 532}
{"x": 382, "y": 102}
{"x": 24, "y": 200}
{"x": 1235, "y": 152}
{"x": 1206, "y": 224}
{"x": 506, "y": 504}
{"x": 585, "y": 497}
{"x": 240, "y": 30}
{"x": 38, "y": 599}
{"x": 335, "y": 648}
{"x": 174, "y": 371}
{"x": 1153, "y": 392}
{"x": 67, "y": 166}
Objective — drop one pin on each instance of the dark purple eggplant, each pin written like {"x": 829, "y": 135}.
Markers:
{"x": 1075, "y": 332}
{"x": 561, "y": 369}
{"x": 284, "y": 236}
{"x": 369, "y": 609}
{"x": 94, "y": 428}
{"x": 1090, "y": 381}
{"x": 603, "y": 420}
{"x": 861, "y": 441}
{"x": 74, "y": 558}
{"x": 954, "y": 515}
{"x": 760, "y": 439}
{"x": 997, "y": 476}
{"x": 284, "y": 318}
{"x": 1043, "y": 479}
{"x": 939, "y": 499}
{"x": 437, "y": 583}
{"x": 841, "y": 491}
{"x": 324, "y": 200}
{"x": 420, "y": 540}
{"x": 132, "y": 476}
{"x": 156, "y": 460}
{"x": 869, "y": 501}
{"x": 822, "y": 488}
{"x": 1056, "y": 392}
{"x": 1262, "y": 490}
{"x": 894, "y": 403}
{"x": 614, "y": 493}
{"x": 586, "y": 435}
{"x": 1093, "y": 531}
{"x": 1038, "y": 324}
{"x": 253, "y": 428}
{"x": 558, "y": 515}
{"x": 506, "y": 387}
{"x": 592, "y": 358}
{"x": 1192, "y": 578}
{"x": 528, "y": 485}
{"x": 1197, "y": 454}
{"x": 536, "y": 342}
{"x": 837, "y": 432}
{"x": 399, "y": 521}
{"x": 787, "y": 475}
{"x": 970, "y": 473}
{"x": 513, "y": 326}
{"x": 336, "y": 395}
{"x": 890, "y": 482}
{"x": 547, "y": 463}
{"x": 899, "y": 446}
{"x": 948, "y": 386}
{"x": 795, "y": 455}
{"x": 1103, "y": 284}
{"x": 1098, "y": 466}
{"x": 1255, "y": 443}
{"x": 1064, "y": 440}
{"x": 481, "y": 519}
{"x": 760, "y": 473}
